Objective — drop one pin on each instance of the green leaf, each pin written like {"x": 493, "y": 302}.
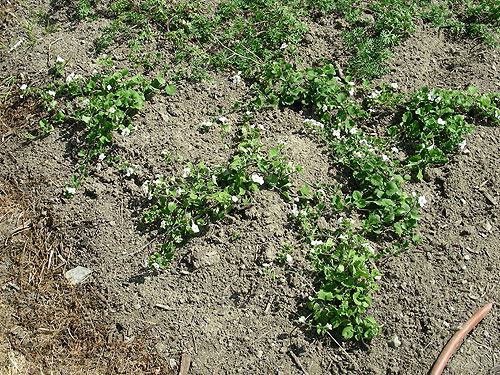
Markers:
{"x": 171, "y": 206}
{"x": 170, "y": 89}
{"x": 273, "y": 153}
{"x": 391, "y": 189}
{"x": 472, "y": 90}
{"x": 348, "y": 332}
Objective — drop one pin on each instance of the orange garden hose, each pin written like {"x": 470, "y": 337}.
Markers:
{"x": 457, "y": 339}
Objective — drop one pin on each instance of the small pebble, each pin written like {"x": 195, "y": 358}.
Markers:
{"x": 395, "y": 342}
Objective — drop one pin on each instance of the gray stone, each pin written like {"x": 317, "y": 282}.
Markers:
{"x": 394, "y": 342}
{"x": 77, "y": 275}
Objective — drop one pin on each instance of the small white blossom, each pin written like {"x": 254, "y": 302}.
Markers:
{"x": 112, "y": 110}
{"x": 73, "y": 77}
{"x": 385, "y": 157}
{"x": 163, "y": 224}
{"x": 440, "y": 121}
{"x": 70, "y": 190}
{"x": 179, "y": 191}
{"x": 375, "y": 94}
{"x": 248, "y": 113}
{"x": 236, "y": 78}
{"x": 394, "y": 85}
{"x": 295, "y": 211}
{"x": 145, "y": 187}
{"x": 395, "y": 150}
{"x": 289, "y": 258}
{"x": 303, "y": 212}
{"x": 430, "y": 147}
{"x": 130, "y": 171}
{"x": 23, "y": 87}
{"x": 324, "y": 108}
{"x": 422, "y": 200}
{"x": 51, "y": 93}
{"x": 257, "y": 179}
{"x": 234, "y": 198}
{"x": 316, "y": 242}
{"x": 195, "y": 228}
{"x": 206, "y": 124}
{"x": 343, "y": 237}
{"x": 329, "y": 326}
{"x": 462, "y": 144}
{"x": 185, "y": 172}
{"x": 497, "y": 114}
{"x": 358, "y": 154}
{"x": 351, "y": 83}
{"x": 351, "y": 91}
{"x": 102, "y": 157}
{"x": 353, "y": 130}
{"x": 126, "y": 132}
{"x": 223, "y": 119}
{"x": 109, "y": 87}
{"x": 368, "y": 247}
{"x": 336, "y": 133}
{"x": 363, "y": 142}
{"x": 59, "y": 59}
{"x": 85, "y": 102}
{"x": 284, "y": 45}
{"x": 261, "y": 127}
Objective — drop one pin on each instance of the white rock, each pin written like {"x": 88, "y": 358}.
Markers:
{"x": 77, "y": 275}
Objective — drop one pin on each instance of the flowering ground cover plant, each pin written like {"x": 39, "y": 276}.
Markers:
{"x": 252, "y": 95}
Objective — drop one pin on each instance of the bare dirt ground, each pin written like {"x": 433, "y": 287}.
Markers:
{"x": 216, "y": 301}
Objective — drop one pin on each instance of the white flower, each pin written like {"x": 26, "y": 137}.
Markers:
{"x": 368, "y": 247}
{"x": 284, "y": 45}
{"x": 394, "y": 85}
{"x": 395, "y": 150}
{"x": 85, "y": 102}
{"x": 324, "y": 108}
{"x": 102, "y": 157}
{"x": 375, "y": 94}
{"x": 195, "y": 227}
{"x": 130, "y": 171}
{"x": 462, "y": 144}
{"x": 257, "y": 179}
{"x": 351, "y": 91}
{"x": 51, "y": 93}
{"x": 385, "y": 157}
{"x": 112, "y": 110}
{"x": 422, "y": 200}
{"x": 497, "y": 114}
{"x": 185, "y": 172}
{"x": 358, "y": 154}
{"x": 206, "y": 124}
{"x": 363, "y": 142}
{"x": 295, "y": 211}
{"x": 248, "y": 113}
{"x": 353, "y": 130}
{"x": 236, "y": 78}
{"x": 163, "y": 225}
{"x": 145, "y": 187}
{"x": 289, "y": 258}
{"x": 59, "y": 59}
{"x": 223, "y": 119}
{"x": 336, "y": 133}
{"x": 261, "y": 127}
{"x": 23, "y": 87}
{"x": 441, "y": 121}
{"x": 329, "y": 326}
{"x": 179, "y": 191}
{"x": 351, "y": 83}
{"x": 234, "y": 198}
{"x": 125, "y": 132}
{"x": 73, "y": 77}
{"x": 109, "y": 87}
{"x": 70, "y": 190}
{"x": 316, "y": 242}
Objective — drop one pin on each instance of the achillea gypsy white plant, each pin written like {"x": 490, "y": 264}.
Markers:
{"x": 185, "y": 172}
{"x": 422, "y": 200}
{"x": 462, "y": 144}
{"x": 126, "y": 132}
{"x": 440, "y": 121}
{"x": 236, "y": 78}
{"x": 70, "y": 190}
{"x": 195, "y": 228}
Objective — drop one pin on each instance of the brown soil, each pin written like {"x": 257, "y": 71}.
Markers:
{"x": 216, "y": 300}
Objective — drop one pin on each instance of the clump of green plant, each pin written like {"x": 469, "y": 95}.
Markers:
{"x": 476, "y": 19}
{"x": 436, "y": 120}
{"x": 103, "y": 105}
{"x": 185, "y": 206}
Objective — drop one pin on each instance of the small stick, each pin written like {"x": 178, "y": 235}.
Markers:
{"x": 458, "y": 338}
{"x": 297, "y": 362}
{"x": 185, "y": 363}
